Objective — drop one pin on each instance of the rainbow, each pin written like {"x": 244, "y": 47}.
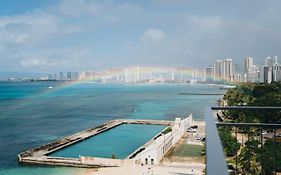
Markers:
{"x": 195, "y": 73}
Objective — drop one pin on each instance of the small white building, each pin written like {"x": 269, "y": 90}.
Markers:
{"x": 153, "y": 151}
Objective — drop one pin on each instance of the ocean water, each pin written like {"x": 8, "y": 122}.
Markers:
{"x": 32, "y": 114}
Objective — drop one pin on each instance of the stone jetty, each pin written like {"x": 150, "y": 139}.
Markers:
{"x": 40, "y": 154}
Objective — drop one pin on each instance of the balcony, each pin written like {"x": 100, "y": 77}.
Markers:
{"x": 257, "y": 148}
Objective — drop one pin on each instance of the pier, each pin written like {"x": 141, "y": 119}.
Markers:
{"x": 40, "y": 154}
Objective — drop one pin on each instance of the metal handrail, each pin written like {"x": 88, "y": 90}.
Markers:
{"x": 216, "y": 163}
{"x": 246, "y": 107}
{"x": 263, "y": 125}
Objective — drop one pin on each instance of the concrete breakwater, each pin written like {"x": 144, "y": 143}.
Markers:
{"x": 40, "y": 155}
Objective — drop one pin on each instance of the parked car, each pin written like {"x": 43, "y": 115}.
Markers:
{"x": 203, "y": 139}
{"x": 191, "y": 129}
{"x": 194, "y": 126}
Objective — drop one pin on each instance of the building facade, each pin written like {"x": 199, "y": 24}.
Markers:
{"x": 249, "y": 62}
{"x": 153, "y": 153}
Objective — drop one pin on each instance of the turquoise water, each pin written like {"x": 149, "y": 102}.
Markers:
{"x": 31, "y": 114}
{"x": 120, "y": 140}
{"x": 35, "y": 170}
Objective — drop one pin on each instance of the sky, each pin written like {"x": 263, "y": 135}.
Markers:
{"x": 77, "y": 35}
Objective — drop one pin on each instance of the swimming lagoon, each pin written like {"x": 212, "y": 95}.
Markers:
{"x": 120, "y": 141}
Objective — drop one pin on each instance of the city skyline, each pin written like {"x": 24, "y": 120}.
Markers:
{"x": 48, "y": 36}
{"x": 223, "y": 70}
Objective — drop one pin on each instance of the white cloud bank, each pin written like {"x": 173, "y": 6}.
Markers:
{"x": 153, "y": 35}
{"x": 85, "y": 34}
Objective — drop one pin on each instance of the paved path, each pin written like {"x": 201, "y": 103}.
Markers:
{"x": 172, "y": 169}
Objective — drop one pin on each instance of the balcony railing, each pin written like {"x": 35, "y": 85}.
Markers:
{"x": 216, "y": 161}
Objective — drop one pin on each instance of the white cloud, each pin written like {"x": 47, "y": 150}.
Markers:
{"x": 153, "y": 35}
{"x": 34, "y": 27}
{"x": 60, "y": 59}
{"x": 23, "y": 29}
{"x": 23, "y": 40}
{"x": 30, "y": 62}
{"x": 79, "y": 8}
{"x": 78, "y": 34}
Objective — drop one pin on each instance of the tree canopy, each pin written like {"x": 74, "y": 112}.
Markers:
{"x": 254, "y": 94}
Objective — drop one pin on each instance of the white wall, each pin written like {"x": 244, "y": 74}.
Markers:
{"x": 154, "y": 152}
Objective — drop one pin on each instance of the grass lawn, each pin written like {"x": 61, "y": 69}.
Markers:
{"x": 188, "y": 151}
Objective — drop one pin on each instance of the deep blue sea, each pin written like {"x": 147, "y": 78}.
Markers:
{"x": 32, "y": 114}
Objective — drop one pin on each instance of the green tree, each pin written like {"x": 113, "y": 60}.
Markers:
{"x": 270, "y": 99}
{"x": 167, "y": 130}
{"x": 255, "y": 94}
{"x": 248, "y": 161}
{"x": 268, "y": 155}
{"x": 252, "y": 156}
{"x": 113, "y": 156}
{"x": 229, "y": 142}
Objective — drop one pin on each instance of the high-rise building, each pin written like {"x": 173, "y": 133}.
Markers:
{"x": 75, "y": 76}
{"x": 89, "y": 75}
{"x": 276, "y": 72}
{"x": 50, "y": 77}
{"x": 237, "y": 77}
{"x": 82, "y": 76}
{"x": 193, "y": 75}
{"x": 61, "y": 76}
{"x": 248, "y": 63}
{"x": 223, "y": 70}
{"x": 218, "y": 70}
{"x": 132, "y": 74}
{"x": 209, "y": 73}
{"x": 276, "y": 60}
{"x": 56, "y": 76}
{"x": 270, "y": 61}
{"x": 236, "y": 69}
{"x": 227, "y": 69}
{"x": 264, "y": 74}
{"x": 68, "y": 75}
{"x": 145, "y": 74}
{"x": 253, "y": 74}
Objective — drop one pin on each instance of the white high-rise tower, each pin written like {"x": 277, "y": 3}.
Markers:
{"x": 249, "y": 62}
{"x": 270, "y": 61}
{"x": 227, "y": 69}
